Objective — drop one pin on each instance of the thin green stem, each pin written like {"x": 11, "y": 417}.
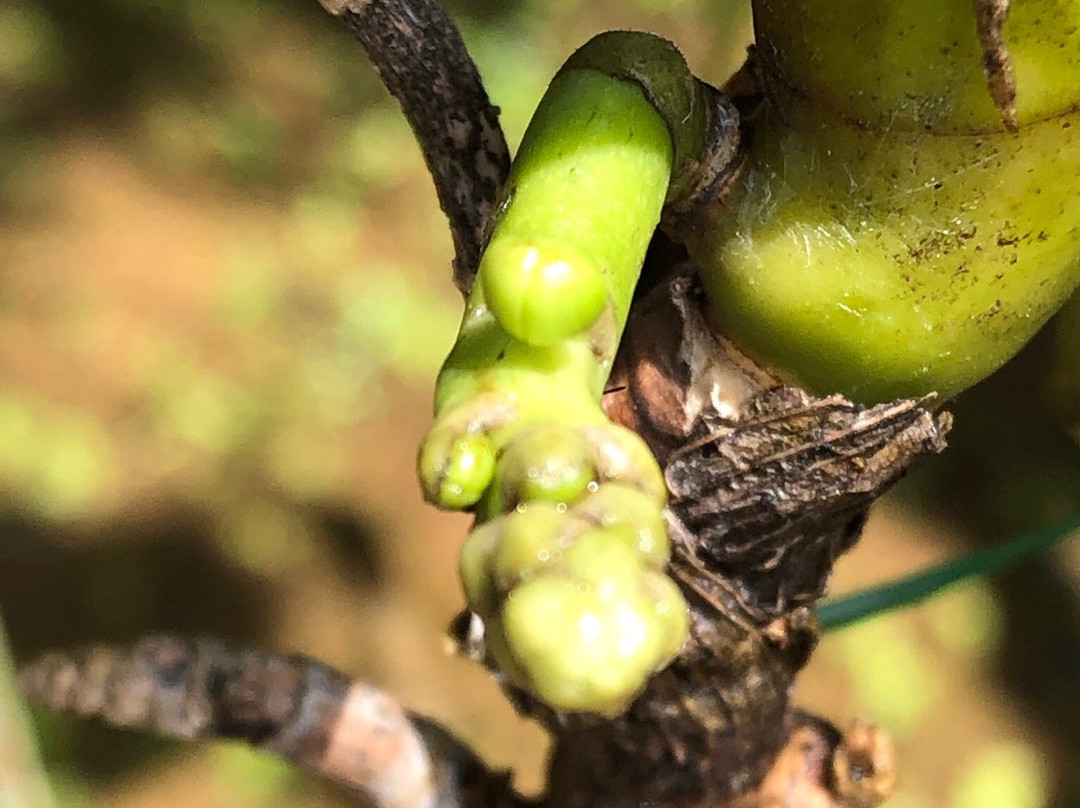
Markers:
{"x": 912, "y": 589}
{"x": 22, "y": 781}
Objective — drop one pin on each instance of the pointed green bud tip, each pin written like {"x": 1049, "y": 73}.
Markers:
{"x": 604, "y": 560}
{"x": 541, "y": 292}
{"x": 548, "y": 462}
{"x": 455, "y": 475}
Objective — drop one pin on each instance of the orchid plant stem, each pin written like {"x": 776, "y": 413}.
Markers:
{"x": 22, "y": 780}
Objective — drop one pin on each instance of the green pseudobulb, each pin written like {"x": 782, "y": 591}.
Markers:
{"x": 889, "y": 237}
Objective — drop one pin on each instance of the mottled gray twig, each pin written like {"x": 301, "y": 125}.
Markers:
{"x": 423, "y": 62}
{"x": 293, "y": 706}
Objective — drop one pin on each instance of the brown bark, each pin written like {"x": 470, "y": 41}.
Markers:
{"x": 293, "y": 706}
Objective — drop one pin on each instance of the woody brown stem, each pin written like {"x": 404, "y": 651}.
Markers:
{"x": 292, "y": 706}
{"x": 421, "y": 58}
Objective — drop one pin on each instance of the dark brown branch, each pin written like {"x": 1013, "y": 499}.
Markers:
{"x": 422, "y": 60}
{"x": 293, "y": 706}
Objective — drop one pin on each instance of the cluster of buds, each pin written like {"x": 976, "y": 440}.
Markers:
{"x": 566, "y": 564}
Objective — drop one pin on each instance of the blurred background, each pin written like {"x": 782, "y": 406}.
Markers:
{"x": 224, "y": 296}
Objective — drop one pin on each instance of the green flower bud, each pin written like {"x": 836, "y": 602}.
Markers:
{"x": 533, "y": 537}
{"x": 475, "y": 568}
{"x": 604, "y": 560}
{"x": 456, "y": 474}
{"x": 629, "y": 513}
{"x": 577, "y": 650}
{"x": 669, "y": 610}
{"x": 548, "y": 461}
{"x": 541, "y": 292}
{"x": 572, "y": 611}
{"x": 619, "y": 455}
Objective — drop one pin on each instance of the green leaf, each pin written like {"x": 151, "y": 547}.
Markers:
{"x": 912, "y": 589}
{"x": 22, "y": 780}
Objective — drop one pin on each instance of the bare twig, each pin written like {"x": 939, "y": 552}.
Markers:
{"x": 422, "y": 60}
{"x": 22, "y": 783}
{"x": 293, "y": 706}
